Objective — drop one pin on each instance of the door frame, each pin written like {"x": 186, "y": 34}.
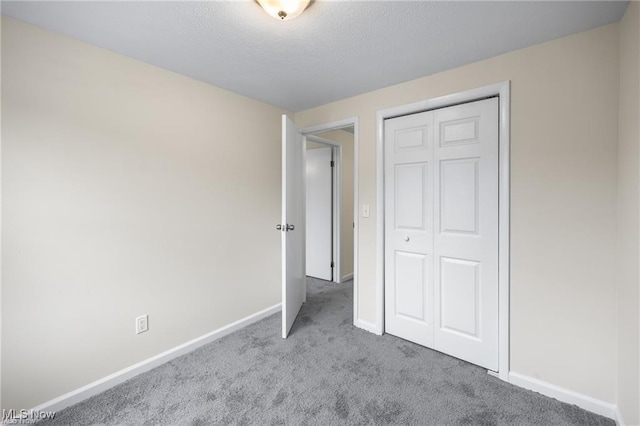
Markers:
{"x": 503, "y": 91}
{"x": 338, "y": 125}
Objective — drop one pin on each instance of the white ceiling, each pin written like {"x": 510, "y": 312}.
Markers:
{"x": 334, "y": 50}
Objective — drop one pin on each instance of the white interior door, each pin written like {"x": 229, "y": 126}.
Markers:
{"x": 441, "y": 230}
{"x": 293, "y": 226}
{"x": 319, "y": 209}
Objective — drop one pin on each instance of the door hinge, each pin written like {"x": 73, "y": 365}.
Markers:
{"x": 333, "y": 163}
{"x": 332, "y": 264}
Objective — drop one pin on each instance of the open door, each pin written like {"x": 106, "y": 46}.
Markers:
{"x": 293, "y": 224}
{"x": 319, "y": 213}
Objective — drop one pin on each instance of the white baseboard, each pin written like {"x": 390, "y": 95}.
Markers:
{"x": 493, "y": 374}
{"x": 619, "y": 420}
{"x": 121, "y": 376}
{"x": 588, "y": 403}
{"x": 347, "y": 277}
{"x": 368, "y": 326}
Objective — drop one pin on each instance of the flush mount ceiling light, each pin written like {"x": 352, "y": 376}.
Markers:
{"x": 284, "y": 10}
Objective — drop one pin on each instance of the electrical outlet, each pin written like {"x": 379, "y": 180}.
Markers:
{"x": 142, "y": 324}
{"x": 365, "y": 210}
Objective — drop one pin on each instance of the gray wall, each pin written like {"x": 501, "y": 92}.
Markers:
{"x": 628, "y": 268}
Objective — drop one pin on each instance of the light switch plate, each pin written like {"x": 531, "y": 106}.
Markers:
{"x": 365, "y": 210}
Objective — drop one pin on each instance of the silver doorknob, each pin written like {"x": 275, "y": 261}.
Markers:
{"x": 279, "y": 227}
{"x": 406, "y": 238}
{"x": 290, "y": 227}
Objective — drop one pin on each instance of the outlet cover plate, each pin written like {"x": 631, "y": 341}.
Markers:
{"x": 142, "y": 324}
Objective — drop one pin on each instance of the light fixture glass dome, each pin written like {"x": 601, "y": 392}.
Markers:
{"x": 284, "y": 10}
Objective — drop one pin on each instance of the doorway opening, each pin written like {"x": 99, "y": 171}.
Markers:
{"x": 293, "y": 224}
{"x": 334, "y": 229}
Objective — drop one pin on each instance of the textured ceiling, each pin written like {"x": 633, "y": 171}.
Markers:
{"x": 336, "y": 49}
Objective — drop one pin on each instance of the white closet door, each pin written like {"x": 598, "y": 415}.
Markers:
{"x": 319, "y": 213}
{"x": 409, "y": 228}
{"x": 448, "y": 197}
{"x": 466, "y": 232}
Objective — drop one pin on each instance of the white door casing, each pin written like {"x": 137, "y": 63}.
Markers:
{"x": 441, "y": 230}
{"x": 293, "y": 247}
{"x": 319, "y": 206}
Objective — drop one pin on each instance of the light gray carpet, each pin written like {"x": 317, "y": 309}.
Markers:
{"x": 327, "y": 372}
